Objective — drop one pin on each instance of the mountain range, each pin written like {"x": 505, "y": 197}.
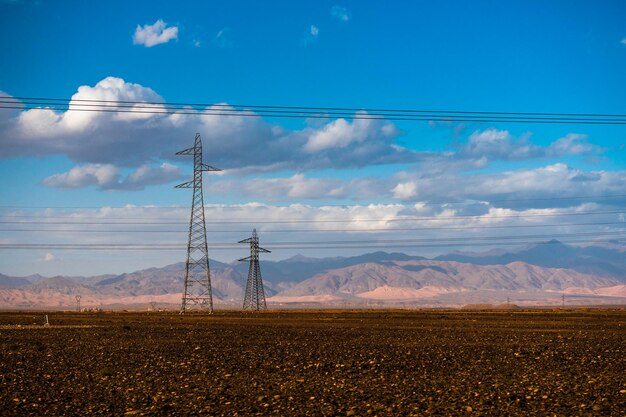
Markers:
{"x": 539, "y": 274}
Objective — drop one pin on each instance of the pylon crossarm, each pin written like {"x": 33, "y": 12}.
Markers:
{"x": 188, "y": 151}
{"x": 205, "y": 167}
{"x": 188, "y": 184}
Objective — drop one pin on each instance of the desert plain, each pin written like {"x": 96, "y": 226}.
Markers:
{"x": 320, "y": 363}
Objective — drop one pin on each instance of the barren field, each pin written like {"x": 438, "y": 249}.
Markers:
{"x": 292, "y": 363}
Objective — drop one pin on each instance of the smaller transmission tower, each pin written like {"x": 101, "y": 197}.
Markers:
{"x": 197, "y": 289}
{"x": 254, "y": 298}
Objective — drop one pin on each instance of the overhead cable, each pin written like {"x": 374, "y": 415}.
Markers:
{"x": 220, "y": 109}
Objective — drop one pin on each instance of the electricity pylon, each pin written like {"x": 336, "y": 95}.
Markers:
{"x": 197, "y": 291}
{"x": 254, "y": 298}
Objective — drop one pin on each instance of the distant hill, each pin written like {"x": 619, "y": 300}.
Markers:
{"x": 299, "y": 268}
{"x": 452, "y": 276}
{"x": 13, "y": 282}
{"x": 534, "y": 274}
{"x": 592, "y": 260}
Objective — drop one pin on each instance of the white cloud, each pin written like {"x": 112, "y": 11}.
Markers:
{"x": 519, "y": 189}
{"x": 155, "y": 34}
{"x": 86, "y": 136}
{"x": 547, "y": 181}
{"x": 572, "y": 144}
{"x": 110, "y": 89}
{"x": 135, "y": 138}
{"x": 340, "y": 13}
{"x": 275, "y": 224}
{"x": 624, "y": 41}
{"x": 296, "y": 186}
{"x": 523, "y": 188}
{"x": 405, "y": 190}
{"x": 314, "y": 31}
{"x": 499, "y": 144}
{"x": 108, "y": 177}
{"x": 341, "y": 133}
{"x": 102, "y": 175}
{"x": 495, "y": 144}
{"x": 38, "y": 122}
{"x": 48, "y": 257}
{"x": 5, "y": 113}
{"x": 152, "y": 175}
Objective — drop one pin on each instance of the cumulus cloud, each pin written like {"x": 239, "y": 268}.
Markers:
{"x": 340, "y": 13}
{"x": 108, "y": 177}
{"x": 341, "y": 133}
{"x": 242, "y": 143}
{"x": 519, "y": 189}
{"x": 102, "y": 175}
{"x": 495, "y": 144}
{"x": 471, "y": 194}
{"x": 375, "y": 223}
{"x": 499, "y": 144}
{"x": 549, "y": 181}
{"x": 5, "y": 113}
{"x": 405, "y": 190}
{"x": 155, "y": 34}
{"x": 86, "y": 136}
{"x": 296, "y": 186}
{"x": 152, "y": 175}
{"x": 572, "y": 144}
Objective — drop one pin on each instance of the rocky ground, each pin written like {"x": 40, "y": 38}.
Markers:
{"x": 358, "y": 363}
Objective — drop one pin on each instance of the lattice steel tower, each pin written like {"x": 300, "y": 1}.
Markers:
{"x": 197, "y": 291}
{"x": 254, "y": 298}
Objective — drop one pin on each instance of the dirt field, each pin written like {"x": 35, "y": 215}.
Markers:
{"x": 315, "y": 363}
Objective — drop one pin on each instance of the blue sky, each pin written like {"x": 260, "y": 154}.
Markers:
{"x": 532, "y": 56}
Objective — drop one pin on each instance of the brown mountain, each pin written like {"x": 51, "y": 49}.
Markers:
{"x": 385, "y": 277}
{"x": 446, "y": 277}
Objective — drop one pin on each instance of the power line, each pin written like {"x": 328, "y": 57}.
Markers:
{"x": 355, "y": 241}
{"x": 336, "y": 220}
{"x": 355, "y": 116}
{"x": 298, "y": 108}
{"x": 225, "y": 110}
{"x": 357, "y": 230}
{"x": 326, "y": 247}
{"x": 304, "y": 112}
{"x": 441, "y": 202}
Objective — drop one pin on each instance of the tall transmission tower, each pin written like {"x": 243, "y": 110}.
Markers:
{"x": 254, "y": 298}
{"x": 197, "y": 291}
